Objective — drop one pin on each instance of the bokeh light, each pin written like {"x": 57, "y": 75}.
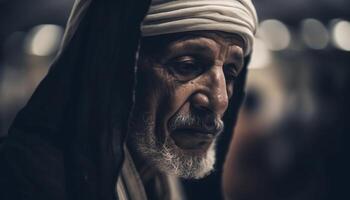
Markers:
{"x": 341, "y": 35}
{"x": 44, "y": 40}
{"x": 261, "y": 57}
{"x": 275, "y": 34}
{"x": 314, "y": 34}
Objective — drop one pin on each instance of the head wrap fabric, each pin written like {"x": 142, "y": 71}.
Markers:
{"x": 231, "y": 16}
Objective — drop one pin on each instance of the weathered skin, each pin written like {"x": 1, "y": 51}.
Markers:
{"x": 193, "y": 72}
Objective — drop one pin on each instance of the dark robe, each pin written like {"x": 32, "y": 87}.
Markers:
{"x": 66, "y": 143}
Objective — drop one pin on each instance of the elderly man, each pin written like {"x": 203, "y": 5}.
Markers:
{"x": 68, "y": 142}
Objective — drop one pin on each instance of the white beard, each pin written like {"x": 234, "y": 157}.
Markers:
{"x": 168, "y": 157}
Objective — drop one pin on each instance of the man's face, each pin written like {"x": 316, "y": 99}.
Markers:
{"x": 184, "y": 83}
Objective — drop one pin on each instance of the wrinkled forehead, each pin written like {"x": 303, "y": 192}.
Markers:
{"x": 158, "y": 44}
{"x": 220, "y": 37}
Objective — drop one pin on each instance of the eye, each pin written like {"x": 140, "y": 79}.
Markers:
{"x": 185, "y": 68}
{"x": 230, "y": 73}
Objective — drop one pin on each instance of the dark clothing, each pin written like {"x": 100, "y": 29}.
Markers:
{"x": 160, "y": 187}
{"x": 67, "y": 142}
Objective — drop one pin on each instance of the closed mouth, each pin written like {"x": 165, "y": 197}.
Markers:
{"x": 192, "y": 138}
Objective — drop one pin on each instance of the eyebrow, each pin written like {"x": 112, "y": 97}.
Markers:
{"x": 192, "y": 44}
{"x": 199, "y": 44}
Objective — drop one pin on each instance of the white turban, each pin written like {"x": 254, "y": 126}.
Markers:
{"x": 231, "y": 16}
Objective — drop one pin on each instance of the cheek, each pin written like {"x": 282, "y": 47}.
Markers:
{"x": 180, "y": 99}
{"x": 161, "y": 96}
{"x": 174, "y": 95}
{"x": 156, "y": 95}
{"x": 147, "y": 94}
{"x": 173, "y": 98}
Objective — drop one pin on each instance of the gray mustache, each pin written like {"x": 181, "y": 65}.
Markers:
{"x": 208, "y": 123}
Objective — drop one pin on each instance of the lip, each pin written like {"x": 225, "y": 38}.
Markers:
{"x": 194, "y": 140}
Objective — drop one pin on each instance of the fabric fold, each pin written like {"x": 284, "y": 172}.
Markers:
{"x": 232, "y": 16}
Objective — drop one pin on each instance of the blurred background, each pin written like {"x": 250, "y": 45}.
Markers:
{"x": 289, "y": 143}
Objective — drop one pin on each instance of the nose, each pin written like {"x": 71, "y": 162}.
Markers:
{"x": 214, "y": 97}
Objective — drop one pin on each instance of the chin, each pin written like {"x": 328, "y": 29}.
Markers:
{"x": 186, "y": 163}
{"x": 172, "y": 159}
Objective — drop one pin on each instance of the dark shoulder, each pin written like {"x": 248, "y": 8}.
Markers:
{"x": 30, "y": 169}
